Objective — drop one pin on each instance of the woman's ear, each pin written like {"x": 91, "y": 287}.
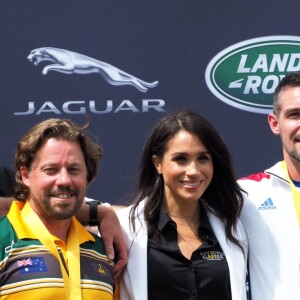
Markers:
{"x": 156, "y": 163}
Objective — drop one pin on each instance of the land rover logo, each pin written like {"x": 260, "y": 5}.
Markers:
{"x": 246, "y": 74}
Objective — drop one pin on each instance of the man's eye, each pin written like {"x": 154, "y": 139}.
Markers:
{"x": 294, "y": 115}
{"x": 75, "y": 170}
{"x": 50, "y": 170}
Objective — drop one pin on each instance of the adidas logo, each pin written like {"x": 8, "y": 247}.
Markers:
{"x": 267, "y": 205}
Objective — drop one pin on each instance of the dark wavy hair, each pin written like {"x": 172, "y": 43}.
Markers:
{"x": 223, "y": 195}
{"x": 61, "y": 129}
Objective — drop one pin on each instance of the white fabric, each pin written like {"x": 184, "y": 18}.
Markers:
{"x": 133, "y": 283}
{"x": 273, "y": 233}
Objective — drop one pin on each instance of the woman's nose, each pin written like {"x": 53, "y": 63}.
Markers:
{"x": 193, "y": 169}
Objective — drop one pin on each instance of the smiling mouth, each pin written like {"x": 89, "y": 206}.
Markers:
{"x": 68, "y": 193}
{"x": 63, "y": 196}
{"x": 191, "y": 184}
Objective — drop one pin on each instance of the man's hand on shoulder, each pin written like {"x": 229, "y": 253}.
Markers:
{"x": 112, "y": 235}
{"x": 110, "y": 231}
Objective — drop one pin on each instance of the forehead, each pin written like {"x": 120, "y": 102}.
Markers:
{"x": 290, "y": 98}
{"x": 56, "y": 150}
{"x": 184, "y": 141}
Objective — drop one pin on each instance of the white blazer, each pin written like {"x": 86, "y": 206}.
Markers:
{"x": 133, "y": 282}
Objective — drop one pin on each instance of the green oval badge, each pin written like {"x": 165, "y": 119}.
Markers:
{"x": 246, "y": 74}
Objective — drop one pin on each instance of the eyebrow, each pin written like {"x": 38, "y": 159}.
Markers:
{"x": 55, "y": 164}
{"x": 185, "y": 153}
{"x": 291, "y": 110}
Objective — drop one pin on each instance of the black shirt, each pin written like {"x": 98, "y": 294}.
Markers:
{"x": 172, "y": 276}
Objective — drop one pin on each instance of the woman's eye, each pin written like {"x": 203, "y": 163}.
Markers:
{"x": 203, "y": 157}
{"x": 180, "y": 159}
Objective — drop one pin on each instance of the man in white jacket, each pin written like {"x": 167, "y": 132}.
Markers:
{"x": 271, "y": 213}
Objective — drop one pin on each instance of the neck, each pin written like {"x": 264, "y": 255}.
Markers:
{"x": 186, "y": 214}
{"x": 179, "y": 215}
{"x": 182, "y": 213}
{"x": 194, "y": 221}
{"x": 293, "y": 167}
{"x": 58, "y": 228}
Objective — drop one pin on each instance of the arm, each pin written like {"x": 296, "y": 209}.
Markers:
{"x": 5, "y": 205}
{"x": 111, "y": 233}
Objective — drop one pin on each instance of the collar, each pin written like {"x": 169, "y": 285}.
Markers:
{"x": 164, "y": 219}
{"x": 19, "y": 209}
{"x": 296, "y": 183}
{"x": 278, "y": 172}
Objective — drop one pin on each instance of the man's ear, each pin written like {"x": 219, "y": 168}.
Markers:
{"x": 274, "y": 124}
{"x": 156, "y": 163}
{"x": 25, "y": 175}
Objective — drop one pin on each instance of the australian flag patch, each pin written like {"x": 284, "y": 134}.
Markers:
{"x": 32, "y": 265}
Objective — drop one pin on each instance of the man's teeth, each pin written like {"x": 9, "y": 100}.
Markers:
{"x": 63, "y": 196}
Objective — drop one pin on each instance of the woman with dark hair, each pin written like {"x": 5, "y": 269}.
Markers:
{"x": 184, "y": 237}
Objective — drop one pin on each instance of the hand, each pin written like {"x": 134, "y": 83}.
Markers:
{"x": 111, "y": 233}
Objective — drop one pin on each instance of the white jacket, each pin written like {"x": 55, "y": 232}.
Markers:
{"x": 270, "y": 219}
{"x": 133, "y": 283}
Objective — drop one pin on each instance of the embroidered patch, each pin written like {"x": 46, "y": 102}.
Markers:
{"x": 212, "y": 255}
{"x": 32, "y": 265}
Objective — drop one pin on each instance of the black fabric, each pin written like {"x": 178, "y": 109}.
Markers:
{"x": 172, "y": 276}
{"x": 93, "y": 218}
{"x": 7, "y": 181}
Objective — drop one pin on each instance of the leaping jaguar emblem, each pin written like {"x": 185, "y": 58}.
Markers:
{"x": 68, "y": 62}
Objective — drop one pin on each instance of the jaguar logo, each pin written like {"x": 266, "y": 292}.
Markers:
{"x": 68, "y": 62}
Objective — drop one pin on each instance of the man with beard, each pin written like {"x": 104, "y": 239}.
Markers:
{"x": 271, "y": 212}
{"x": 45, "y": 253}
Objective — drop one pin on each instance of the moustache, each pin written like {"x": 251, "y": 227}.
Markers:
{"x": 66, "y": 190}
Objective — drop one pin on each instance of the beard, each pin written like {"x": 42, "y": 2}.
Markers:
{"x": 291, "y": 151}
{"x": 294, "y": 154}
{"x": 58, "y": 210}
